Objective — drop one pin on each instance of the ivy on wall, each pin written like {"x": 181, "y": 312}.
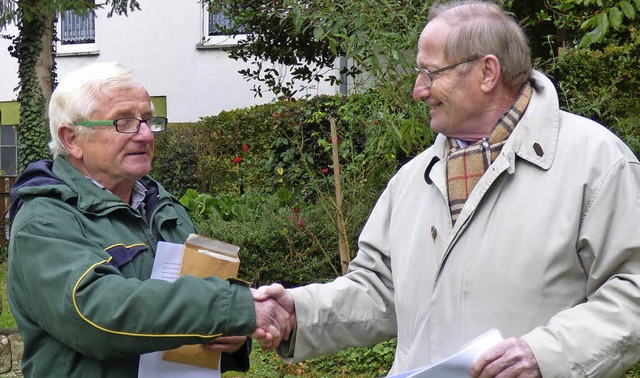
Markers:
{"x": 32, "y": 132}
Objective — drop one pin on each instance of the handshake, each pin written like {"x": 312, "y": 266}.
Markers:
{"x": 275, "y": 315}
{"x": 275, "y": 320}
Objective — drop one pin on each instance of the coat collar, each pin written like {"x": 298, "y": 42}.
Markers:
{"x": 89, "y": 197}
{"x": 535, "y": 139}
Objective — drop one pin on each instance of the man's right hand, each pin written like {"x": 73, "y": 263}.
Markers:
{"x": 284, "y": 315}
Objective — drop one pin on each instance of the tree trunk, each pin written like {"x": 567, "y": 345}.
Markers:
{"x": 45, "y": 65}
{"x": 33, "y": 47}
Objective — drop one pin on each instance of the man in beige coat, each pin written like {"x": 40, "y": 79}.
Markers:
{"x": 521, "y": 217}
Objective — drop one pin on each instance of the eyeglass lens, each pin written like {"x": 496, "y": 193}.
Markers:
{"x": 425, "y": 76}
{"x": 131, "y": 125}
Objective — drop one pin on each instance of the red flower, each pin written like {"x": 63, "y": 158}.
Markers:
{"x": 325, "y": 170}
{"x": 376, "y": 122}
{"x": 245, "y": 148}
{"x": 237, "y": 160}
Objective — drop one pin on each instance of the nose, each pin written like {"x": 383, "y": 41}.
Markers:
{"x": 144, "y": 133}
{"x": 420, "y": 89}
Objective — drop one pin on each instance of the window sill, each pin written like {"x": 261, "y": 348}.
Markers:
{"x": 78, "y": 53}
{"x": 210, "y": 46}
{"x": 220, "y": 41}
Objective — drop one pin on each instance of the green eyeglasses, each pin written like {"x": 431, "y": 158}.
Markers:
{"x": 426, "y": 74}
{"x": 130, "y": 125}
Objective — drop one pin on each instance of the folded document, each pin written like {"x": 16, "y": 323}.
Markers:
{"x": 459, "y": 364}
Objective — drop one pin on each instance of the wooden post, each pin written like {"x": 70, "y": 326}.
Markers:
{"x": 345, "y": 256}
{"x": 5, "y": 184}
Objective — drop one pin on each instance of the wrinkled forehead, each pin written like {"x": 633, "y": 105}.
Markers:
{"x": 435, "y": 32}
{"x": 124, "y": 100}
{"x": 432, "y": 39}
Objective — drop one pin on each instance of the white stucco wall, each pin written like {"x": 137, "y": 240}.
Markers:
{"x": 8, "y": 67}
{"x": 159, "y": 44}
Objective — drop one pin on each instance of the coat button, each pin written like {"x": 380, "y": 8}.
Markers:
{"x": 538, "y": 149}
{"x": 434, "y": 232}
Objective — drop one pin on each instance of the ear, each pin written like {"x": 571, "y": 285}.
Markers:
{"x": 71, "y": 141}
{"x": 491, "y": 73}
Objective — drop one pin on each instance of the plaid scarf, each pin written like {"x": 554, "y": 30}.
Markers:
{"x": 465, "y": 166}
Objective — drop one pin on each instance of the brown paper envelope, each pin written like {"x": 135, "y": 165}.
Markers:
{"x": 202, "y": 264}
{"x": 200, "y": 259}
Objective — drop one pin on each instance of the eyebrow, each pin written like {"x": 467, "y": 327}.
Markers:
{"x": 126, "y": 112}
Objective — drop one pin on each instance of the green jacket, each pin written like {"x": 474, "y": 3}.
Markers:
{"x": 79, "y": 287}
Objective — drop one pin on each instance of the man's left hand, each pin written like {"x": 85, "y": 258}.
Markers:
{"x": 509, "y": 358}
{"x": 228, "y": 344}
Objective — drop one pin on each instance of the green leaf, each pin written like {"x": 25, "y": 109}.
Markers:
{"x": 628, "y": 9}
{"x": 603, "y": 23}
{"x": 615, "y": 16}
{"x": 318, "y": 33}
{"x": 591, "y": 37}
{"x": 591, "y": 22}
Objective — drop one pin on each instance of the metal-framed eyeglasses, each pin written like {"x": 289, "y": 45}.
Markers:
{"x": 130, "y": 125}
{"x": 425, "y": 74}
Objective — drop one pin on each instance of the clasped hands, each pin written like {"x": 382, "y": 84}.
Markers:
{"x": 275, "y": 320}
{"x": 275, "y": 315}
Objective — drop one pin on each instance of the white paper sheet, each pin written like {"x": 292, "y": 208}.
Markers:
{"x": 166, "y": 267}
{"x": 458, "y": 365}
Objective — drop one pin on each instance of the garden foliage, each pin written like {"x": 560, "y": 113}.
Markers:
{"x": 262, "y": 177}
{"x": 601, "y": 85}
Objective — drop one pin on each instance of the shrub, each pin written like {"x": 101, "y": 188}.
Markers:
{"x": 599, "y": 84}
{"x": 176, "y": 164}
{"x": 288, "y": 144}
{"x": 249, "y": 169}
{"x": 279, "y": 242}
{"x": 627, "y": 130}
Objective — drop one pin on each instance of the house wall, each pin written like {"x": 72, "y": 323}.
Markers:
{"x": 162, "y": 44}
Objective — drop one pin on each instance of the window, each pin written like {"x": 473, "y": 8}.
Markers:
{"x": 6, "y": 8}
{"x": 218, "y": 21}
{"x": 77, "y": 28}
{"x": 8, "y": 150}
{"x": 212, "y": 35}
{"x": 77, "y": 33}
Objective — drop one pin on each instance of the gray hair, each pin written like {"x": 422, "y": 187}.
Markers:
{"x": 482, "y": 28}
{"x": 74, "y": 98}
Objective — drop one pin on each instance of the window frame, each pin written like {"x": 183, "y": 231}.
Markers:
{"x": 14, "y": 146}
{"x": 90, "y": 48}
{"x": 215, "y": 41}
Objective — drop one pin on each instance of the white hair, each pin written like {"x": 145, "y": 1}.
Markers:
{"x": 73, "y": 99}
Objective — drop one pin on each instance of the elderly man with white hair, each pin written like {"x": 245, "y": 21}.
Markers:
{"x": 83, "y": 240}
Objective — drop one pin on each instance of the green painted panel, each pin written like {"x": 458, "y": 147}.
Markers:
{"x": 10, "y": 111}
{"x": 160, "y": 105}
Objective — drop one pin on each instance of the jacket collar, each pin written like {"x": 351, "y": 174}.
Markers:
{"x": 536, "y": 136}
{"x": 89, "y": 197}
{"x": 61, "y": 180}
